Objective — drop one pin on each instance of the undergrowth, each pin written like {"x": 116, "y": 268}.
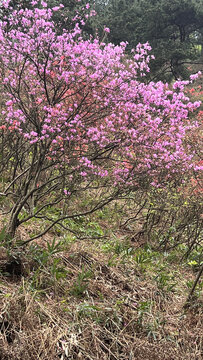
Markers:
{"x": 110, "y": 297}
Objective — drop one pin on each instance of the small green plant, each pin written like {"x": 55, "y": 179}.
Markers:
{"x": 143, "y": 258}
{"x": 88, "y": 310}
{"x": 165, "y": 281}
{"x": 146, "y": 322}
{"x": 121, "y": 247}
{"x": 144, "y": 308}
{"x": 106, "y": 246}
{"x": 151, "y": 330}
{"x": 113, "y": 261}
{"x": 54, "y": 247}
{"x": 104, "y": 213}
{"x": 48, "y": 269}
{"x": 152, "y": 327}
{"x": 94, "y": 229}
{"x": 41, "y": 255}
{"x": 80, "y": 285}
{"x": 58, "y": 272}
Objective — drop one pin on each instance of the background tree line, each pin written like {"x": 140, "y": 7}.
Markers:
{"x": 173, "y": 28}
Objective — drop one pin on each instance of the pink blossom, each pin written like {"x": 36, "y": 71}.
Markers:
{"x": 107, "y": 30}
{"x": 44, "y": 4}
{"x": 195, "y": 76}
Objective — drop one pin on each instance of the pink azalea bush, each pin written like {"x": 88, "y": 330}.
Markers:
{"x": 82, "y": 115}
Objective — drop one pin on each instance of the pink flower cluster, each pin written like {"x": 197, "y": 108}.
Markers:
{"x": 81, "y": 101}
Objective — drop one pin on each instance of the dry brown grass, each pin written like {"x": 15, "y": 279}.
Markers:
{"x": 104, "y": 323}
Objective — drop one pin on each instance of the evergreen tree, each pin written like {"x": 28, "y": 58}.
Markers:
{"x": 173, "y": 29}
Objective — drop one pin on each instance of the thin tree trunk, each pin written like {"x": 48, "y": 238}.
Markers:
{"x": 194, "y": 286}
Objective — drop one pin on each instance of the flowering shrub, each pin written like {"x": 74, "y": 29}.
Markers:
{"x": 80, "y": 119}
